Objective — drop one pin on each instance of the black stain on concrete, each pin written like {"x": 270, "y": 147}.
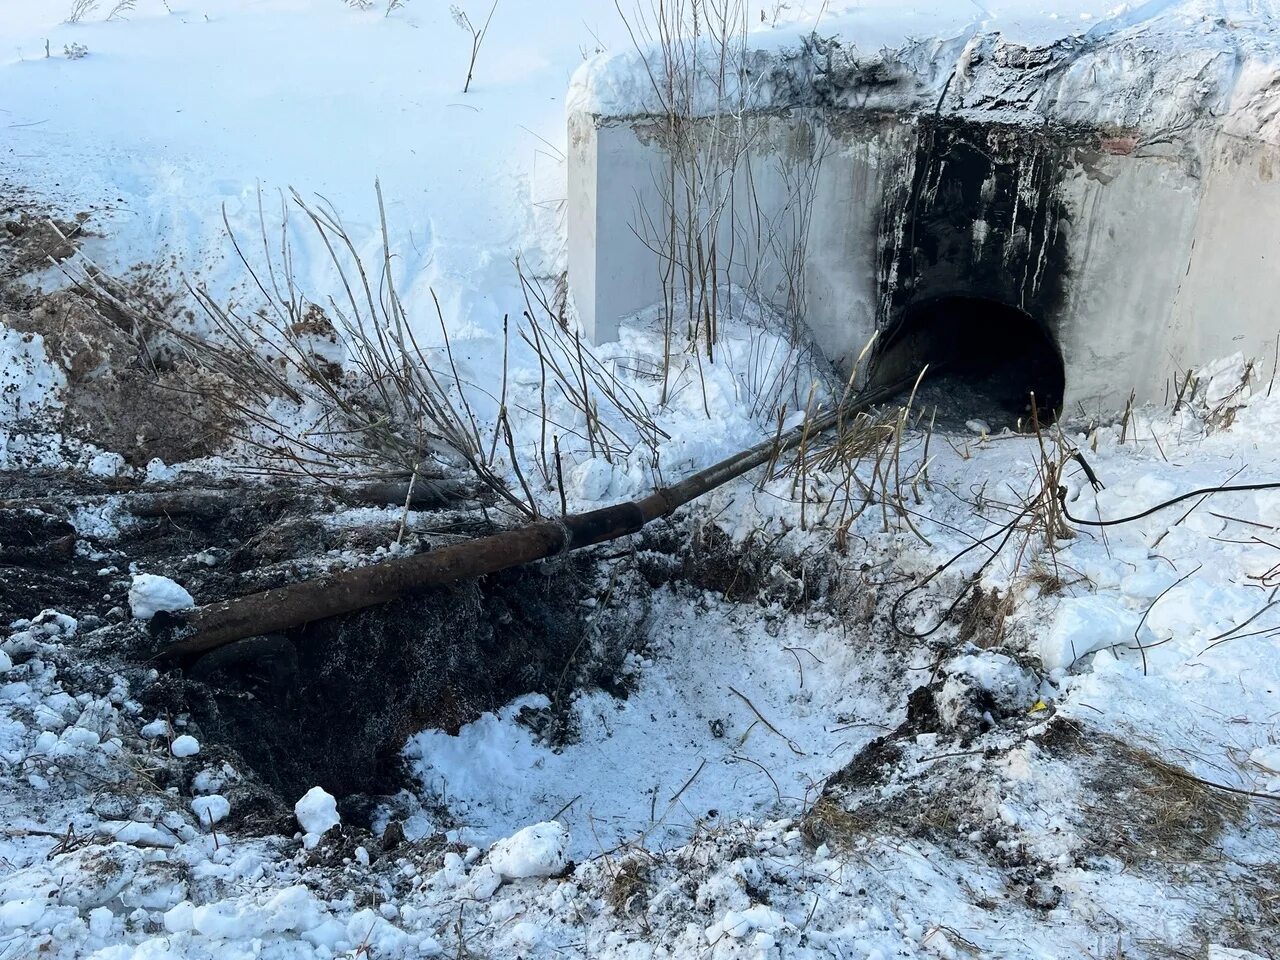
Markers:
{"x": 979, "y": 220}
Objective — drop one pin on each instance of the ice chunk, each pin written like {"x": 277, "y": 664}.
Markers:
{"x": 738, "y": 924}
{"x": 484, "y": 881}
{"x": 537, "y": 851}
{"x": 100, "y": 920}
{"x": 317, "y": 811}
{"x": 106, "y": 465}
{"x": 158, "y": 470}
{"x": 591, "y": 480}
{"x": 185, "y": 746}
{"x": 181, "y": 918}
{"x": 151, "y": 594}
{"x": 21, "y": 913}
{"x": 1082, "y": 625}
{"x": 101, "y": 874}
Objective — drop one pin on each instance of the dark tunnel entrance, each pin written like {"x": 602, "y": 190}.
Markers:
{"x": 985, "y": 360}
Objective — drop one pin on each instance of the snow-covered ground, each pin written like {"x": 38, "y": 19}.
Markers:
{"x": 1039, "y": 810}
{"x": 990, "y": 826}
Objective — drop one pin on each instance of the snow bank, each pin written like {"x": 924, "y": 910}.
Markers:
{"x": 1082, "y": 625}
{"x": 1147, "y": 67}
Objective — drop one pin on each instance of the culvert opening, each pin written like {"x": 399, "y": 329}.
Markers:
{"x": 985, "y": 360}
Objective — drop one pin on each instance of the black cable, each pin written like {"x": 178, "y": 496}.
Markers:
{"x": 1202, "y": 492}
{"x": 1007, "y": 531}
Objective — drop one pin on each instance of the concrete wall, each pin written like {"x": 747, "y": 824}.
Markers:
{"x": 1141, "y": 261}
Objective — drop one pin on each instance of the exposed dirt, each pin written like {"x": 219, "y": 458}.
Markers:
{"x": 332, "y": 702}
{"x": 946, "y": 781}
{"x": 129, "y": 390}
{"x": 33, "y": 241}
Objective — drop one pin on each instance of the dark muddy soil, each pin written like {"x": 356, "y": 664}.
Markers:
{"x": 331, "y": 703}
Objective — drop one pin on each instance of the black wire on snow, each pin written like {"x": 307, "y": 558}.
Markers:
{"x": 1202, "y": 492}
{"x": 1007, "y": 532}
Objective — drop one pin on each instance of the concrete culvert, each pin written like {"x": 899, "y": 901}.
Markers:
{"x": 985, "y": 359}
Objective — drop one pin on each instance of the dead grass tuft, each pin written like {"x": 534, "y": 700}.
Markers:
{"x": 829, "y": 821}
{"x": 984, "y": 617}
{"x": 628, "y": 889}
{"x": 1144, "y": 810}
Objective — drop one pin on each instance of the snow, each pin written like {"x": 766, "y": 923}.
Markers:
{"x": 1267, "y": 757}
{"x": 275, "y": 94}
{"x": 740, "y": 924}
{"x": 317, "y": 811}
{"x": 702, "y": 778}
{"x": 151, "y": 594}
{"x": 1147, "y": 66}
{"x": 106, "y": 464}
{"x": 29, "y": 385}
{"x": 210, "y": 809}
{"x": 536, "y": 851}
{"x": 685, "y": 747}
{"x": 155, "y": 729}
{"x": 1084, "y": 624}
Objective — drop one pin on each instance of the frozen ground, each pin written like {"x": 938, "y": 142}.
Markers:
{"x": 1041, "y": 800}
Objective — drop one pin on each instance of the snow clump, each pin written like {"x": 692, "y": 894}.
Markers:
{"x": 537, "y": 851}
{"x": 151, "y": 594}
{"x": 210, "y": 809}
{"x": 317, "y": 813}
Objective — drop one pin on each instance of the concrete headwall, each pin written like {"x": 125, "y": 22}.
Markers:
{"x": 1141, "y": 256}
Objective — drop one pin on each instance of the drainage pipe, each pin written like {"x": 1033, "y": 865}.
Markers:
{"x": 219, "y": 624}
